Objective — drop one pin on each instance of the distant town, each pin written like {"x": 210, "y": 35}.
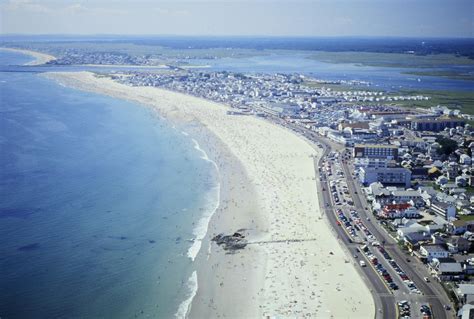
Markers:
{"x": 409, "y": 171}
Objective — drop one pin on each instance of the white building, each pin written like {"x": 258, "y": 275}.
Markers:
{"x": 446, "y": 210}
{"x": 370, "y": 162}
{"x": 433, "y": 251}
{"x": 390, "y": 176}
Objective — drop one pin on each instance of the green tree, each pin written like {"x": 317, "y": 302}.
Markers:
{"x": 448, "y": 145}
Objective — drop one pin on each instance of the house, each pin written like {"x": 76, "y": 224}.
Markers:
{"x": 406, "y": 196}
{"x": 413, "y": 240}
{"x": 434, "y": 227}
{"x": 378, "y": 190}
{"x": 440, "y": 221}
{"x": 438, "y": 239}
{"x": 433, "y": 251}
{"x": 412, "y": 228}
{"x": 462, "y": 180}
{"x": 446, "y": 271}
{"x": 448, "y": 187}
{"x": 441, "y": 180}
{"x": 468, "y": 267}
{"x": 465, "y": 159}
{"x": 392, "y": 211}
{"x": 456, "y": 191}
{"x": 465, "y": 293}
{"x": 458, "y": 244}
{"x": 445, "y": 198}
{"x": 434, "y": 172}
{"x": 458, "y": 227}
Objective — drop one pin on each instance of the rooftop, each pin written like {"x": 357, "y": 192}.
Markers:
{"x": 376, "y": 146}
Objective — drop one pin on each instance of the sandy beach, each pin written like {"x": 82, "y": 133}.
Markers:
{"x": 268, "y": 187}
{"x": 40, "y": 58}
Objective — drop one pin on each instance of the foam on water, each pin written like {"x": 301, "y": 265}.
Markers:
{"x": 202, "y": 226}
{"x": 199, "y": 233}
{"x": 185, "y": 306}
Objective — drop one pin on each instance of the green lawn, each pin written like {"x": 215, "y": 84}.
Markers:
{"x": 466, "y": 217}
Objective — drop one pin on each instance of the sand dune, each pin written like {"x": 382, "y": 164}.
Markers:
{"x": 308, "y": 278}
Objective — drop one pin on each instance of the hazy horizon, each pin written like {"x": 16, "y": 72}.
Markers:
{"x": 260, "y": 18}
{"x": 254, "y": 36}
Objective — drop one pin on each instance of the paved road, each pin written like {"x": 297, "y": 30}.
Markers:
{"x": 415, "y": 271}
{"x": 383, "y": 298}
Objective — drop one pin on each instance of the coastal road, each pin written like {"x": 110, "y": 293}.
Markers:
{"x": 383, "y": 298}
{"x": 432, "y": 291}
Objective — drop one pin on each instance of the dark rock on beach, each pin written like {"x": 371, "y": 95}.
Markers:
{"x": 231, "y": 242}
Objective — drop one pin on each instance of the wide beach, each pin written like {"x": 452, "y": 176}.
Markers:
{"x": 267, "y": 187}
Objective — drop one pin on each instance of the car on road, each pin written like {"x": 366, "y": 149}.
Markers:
{"x": 426, "y": 279}
{"x": 393, "y": 286}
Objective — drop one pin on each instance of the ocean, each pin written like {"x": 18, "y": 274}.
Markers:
{"x": 99, "y": 202}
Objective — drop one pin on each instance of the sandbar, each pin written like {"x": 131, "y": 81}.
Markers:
{"x": 40, "y": 58}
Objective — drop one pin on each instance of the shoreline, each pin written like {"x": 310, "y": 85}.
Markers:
{"x": 308, "y": 278}
{"x": 40, "y": 58}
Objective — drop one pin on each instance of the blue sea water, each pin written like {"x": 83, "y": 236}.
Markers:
{"x": 98, "y": 197}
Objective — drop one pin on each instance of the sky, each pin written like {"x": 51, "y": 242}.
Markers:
{"x": 407, "y": 18}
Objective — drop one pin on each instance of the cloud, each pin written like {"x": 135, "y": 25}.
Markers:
{"x": 171, "y": 12}
{"x": 25, "y": 5}
{"x": 56, "y": 8}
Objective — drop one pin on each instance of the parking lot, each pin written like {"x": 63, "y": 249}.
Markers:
{"x": 371, "y": 252}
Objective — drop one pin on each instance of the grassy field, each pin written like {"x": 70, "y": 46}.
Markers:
{"x": 455, "y": 75}
{"x": 464, "y": 101}
{"x": 466, "y": 217}
{"x": 398, "y": 60}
